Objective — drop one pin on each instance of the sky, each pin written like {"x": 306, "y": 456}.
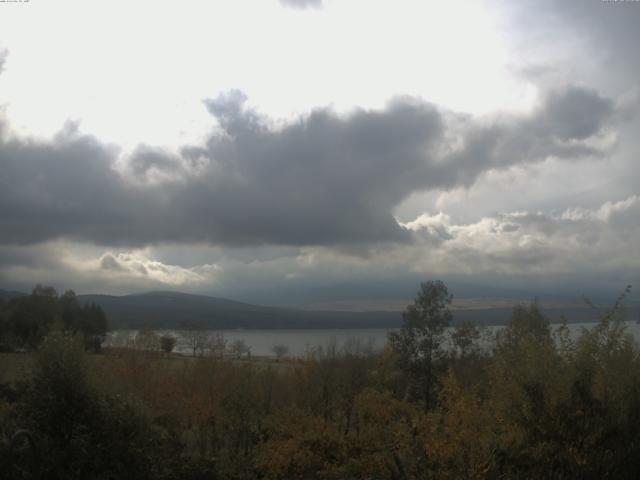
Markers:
{"x": 309, "y": 151}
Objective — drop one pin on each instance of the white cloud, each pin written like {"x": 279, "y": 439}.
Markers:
{"x": 577, "y": 239}
{"x": 66, "y": 265}
{"x": 140, "y": 266}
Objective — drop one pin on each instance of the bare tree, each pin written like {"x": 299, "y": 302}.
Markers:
{"x": 280, "y": 350}
{"x": 147, "y": 339}
{"x": 239, "y": 347}
{"x": 195, "y": 336}
{"x": 217, "y": 345}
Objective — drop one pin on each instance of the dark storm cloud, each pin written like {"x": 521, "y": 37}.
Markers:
{"x": 146, "y": 160}
{"x": 66, "y": 187}
{"x": 574, "y": 113}
{"x": 324, "y": 179}
{"x": 557, "y": 128}
{"x": 42, "y": 256}
{"x": 301, "y": 3}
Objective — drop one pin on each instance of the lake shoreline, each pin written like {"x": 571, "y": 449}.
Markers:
{"x": 302, "y": 342}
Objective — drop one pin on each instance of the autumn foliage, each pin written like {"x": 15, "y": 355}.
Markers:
{"x": 531, "y": 401}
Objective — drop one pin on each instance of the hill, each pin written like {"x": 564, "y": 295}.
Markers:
{"x": 7, "y": 295}
{"x": 168, "y": 309}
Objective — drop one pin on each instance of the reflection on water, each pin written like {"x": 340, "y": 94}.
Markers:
{"x": 299, "y": 342}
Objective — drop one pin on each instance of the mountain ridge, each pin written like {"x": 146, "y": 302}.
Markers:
{"x": 169, "y": 309}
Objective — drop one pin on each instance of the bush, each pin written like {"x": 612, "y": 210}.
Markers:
{"x": 167, "y": 343}
{"x": 82, "y": 434}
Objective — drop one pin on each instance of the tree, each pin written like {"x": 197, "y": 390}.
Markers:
{"x": 464, "y": 336}
{"x": 216, "y": 344}
{"x": 83, "y": 432}
{"x": 527, "y": 324}
{"x": 420, "y": 339}
{"x": 34, "y": 316}
{"x": 280, "y": 350}
{"x": 31, "y": 317}
{"x": 44, "y": 291}
{"x": 239, "y": 347}
{"x": 93, "y": 326}
{"x": 147, "y": 339}
{"x": 5, "y": 329}
{"x": 195, "y": 336}
{"x": 167, "y": 343}
{"x": 70, "y": 311}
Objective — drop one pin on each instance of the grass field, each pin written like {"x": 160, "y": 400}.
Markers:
{"x": 17, "y": 366}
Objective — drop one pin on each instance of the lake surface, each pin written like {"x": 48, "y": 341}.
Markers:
{"x": 261, "y": 342}
{"x": 300, "y": 342}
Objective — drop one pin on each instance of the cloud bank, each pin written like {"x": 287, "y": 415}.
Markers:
{"x": 320, "y": 180}
{"x": 572, "y": 250}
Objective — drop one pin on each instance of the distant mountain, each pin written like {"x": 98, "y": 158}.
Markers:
{"x": 168, "y": 309}
{"x": 6, "y": 295}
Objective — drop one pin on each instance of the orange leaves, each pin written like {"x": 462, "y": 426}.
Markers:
{"x": 383, "y": 442}
{"x": 462, "y": 433}
{"x": 298, "y": 446}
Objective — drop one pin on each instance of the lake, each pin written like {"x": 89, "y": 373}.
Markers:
{"x": 301, "y": 341}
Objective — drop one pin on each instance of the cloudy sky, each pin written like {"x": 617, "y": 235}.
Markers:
{"x": 305, "y": 151}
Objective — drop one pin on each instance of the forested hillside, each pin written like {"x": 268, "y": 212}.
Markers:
{"x": 171, "y": 309}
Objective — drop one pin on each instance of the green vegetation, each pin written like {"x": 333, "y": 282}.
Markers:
{"x": 26, "y": 320}
{"x": 167, "y": 343}
{"x": 534, "y": 403}
{"x": 420, "y": 342}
